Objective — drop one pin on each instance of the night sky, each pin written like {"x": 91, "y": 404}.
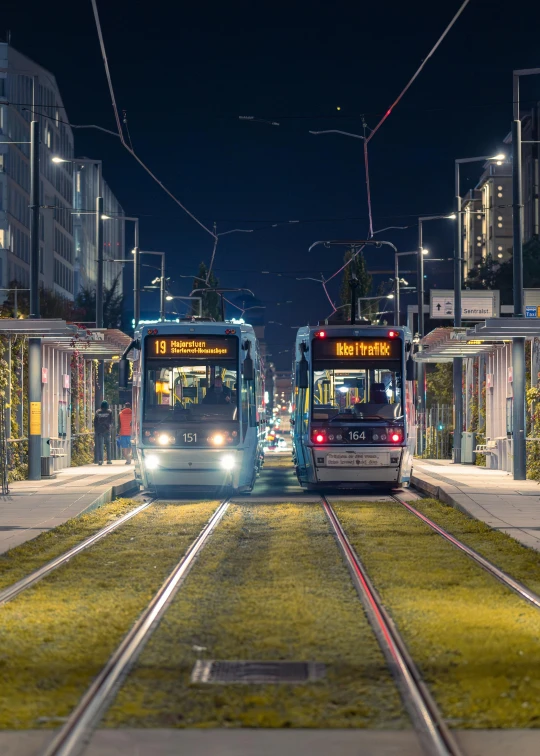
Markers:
{"x": 185, "y": 72}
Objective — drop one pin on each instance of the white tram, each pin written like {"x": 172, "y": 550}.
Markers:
{"x": 353, "y": 406}
{"x": 198, "y": 406}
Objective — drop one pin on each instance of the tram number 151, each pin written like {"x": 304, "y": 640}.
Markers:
{"x": 189, "y": 438}
{"x": 357, "y": 436}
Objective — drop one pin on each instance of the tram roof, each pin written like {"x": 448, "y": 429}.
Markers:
{"x": 356, "y": 329}
{"x": 191, "y": 326}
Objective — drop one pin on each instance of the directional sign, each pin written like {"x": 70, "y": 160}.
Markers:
{"x": 531, "y": 311}
{"x": 475, "y": 304}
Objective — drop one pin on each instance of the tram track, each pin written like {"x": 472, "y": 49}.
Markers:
{"x": 76, "y": 731}
{"x": 428, "y": 721}
{"x": 13, "y": 590}
{"x": 506, "y": 579}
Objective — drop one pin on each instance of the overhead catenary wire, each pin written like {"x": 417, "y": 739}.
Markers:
{"x": 419, "y": 70}
{"x": 119, "y": 125}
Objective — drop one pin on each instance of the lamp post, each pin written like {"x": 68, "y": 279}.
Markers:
{"x": 518, "y": 344}
{"x": 161, "y": 282}
{"x": 100, "y": 384}
{"x": 458, "y": 276}
{"x": 136, "y": 264}
{"x": 420, "y": 291}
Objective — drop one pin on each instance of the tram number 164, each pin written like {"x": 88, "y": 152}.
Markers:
{"x": 357, "y": 436}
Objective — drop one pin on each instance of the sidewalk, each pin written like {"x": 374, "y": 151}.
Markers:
{"x": 32, "y": 507}
{"x": 493, "y": 496}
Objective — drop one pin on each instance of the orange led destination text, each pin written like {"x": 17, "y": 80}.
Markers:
{"x": 363, "y": 349}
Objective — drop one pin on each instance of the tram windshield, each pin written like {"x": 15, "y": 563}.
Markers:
{"x": 357, "y": 394}
{"x": 188, "y": 392}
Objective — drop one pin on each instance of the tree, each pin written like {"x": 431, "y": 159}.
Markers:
{"x": 356, "y": 267}
{"x": 85, "y": 305}
{"x": 500, "y": 276}
{"x": 439, "y": 384}
{"x": 211, "y": 303}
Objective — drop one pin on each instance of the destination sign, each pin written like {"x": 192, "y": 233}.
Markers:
{"x": 357, "y": 349}
{"x": 224, "y": 347}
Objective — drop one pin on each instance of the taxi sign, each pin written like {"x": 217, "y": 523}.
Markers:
{"x": 531, "y": 311}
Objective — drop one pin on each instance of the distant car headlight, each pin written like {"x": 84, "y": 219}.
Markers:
{"x": 152, "y": 462}
{"x": 228, "y": 462}
{"x": 163, "y": 439}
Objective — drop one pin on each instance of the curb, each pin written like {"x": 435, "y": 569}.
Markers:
{"x": 114, "y": 492}
{"x": 444, "y": 492}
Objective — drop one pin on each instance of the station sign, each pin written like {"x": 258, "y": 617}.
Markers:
{"x": 212, "y": 347}
{"x": 367, "y": 348}
{"x": 476, "y": 304}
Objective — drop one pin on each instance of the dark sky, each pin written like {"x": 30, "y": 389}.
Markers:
{"x": 185, "y": 72}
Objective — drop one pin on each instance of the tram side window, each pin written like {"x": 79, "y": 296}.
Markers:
{"x": 249, "y": 405}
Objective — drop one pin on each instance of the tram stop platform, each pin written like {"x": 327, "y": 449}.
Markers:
{"x": 493, "y": 496}
{"x": 33, "y": 507}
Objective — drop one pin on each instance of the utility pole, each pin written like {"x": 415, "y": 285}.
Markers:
{"x": 34, "y": 344}
{"x": 100, "y": 387}
{"x": 162, "y": 289}
{"x": 457, "y": 366}
{"x": 136, "y": 278}
{"x": 421, "y": 368}
{"x": 396, "y": 290}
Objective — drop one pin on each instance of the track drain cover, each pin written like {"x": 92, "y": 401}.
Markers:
{"x": 253, "y": 672}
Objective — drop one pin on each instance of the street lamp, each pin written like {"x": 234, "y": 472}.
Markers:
{"x": 420, "y": 292}
{"x": 458, "y": 275}
{"x": 136, "y": 266}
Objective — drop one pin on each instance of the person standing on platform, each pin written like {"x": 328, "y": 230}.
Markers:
{"x": 124, "y": 432}
{"x": 103, "y": 420}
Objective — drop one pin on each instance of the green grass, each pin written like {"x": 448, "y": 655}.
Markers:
{"x": 504, "y": 551}
{"x": 55, "y": 637}
{"x": 476, "y": 643}
{"x": 21, "y": 560}
{"x": 270, "y": 584}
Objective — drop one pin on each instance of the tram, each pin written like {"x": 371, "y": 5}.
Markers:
{"x": 198, "y": 406}
{"x": 353, "y": 410}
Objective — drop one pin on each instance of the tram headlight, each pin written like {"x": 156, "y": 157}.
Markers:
{"x": 163, "y": 439}
{"x": 218, "y": 439}
{"x": 152, "y": 462}
{"x": 228, "y": 462}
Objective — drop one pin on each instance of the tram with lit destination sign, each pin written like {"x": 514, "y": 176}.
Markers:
{"x": 198, "y": 406}
{"x": 353, "y": 406}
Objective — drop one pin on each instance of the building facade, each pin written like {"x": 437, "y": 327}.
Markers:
{"x": 85, "y": 191}
{"x": 23, "y": 82}
{"x": 68, "y": 257}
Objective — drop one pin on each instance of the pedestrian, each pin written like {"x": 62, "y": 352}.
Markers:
{"x": 124, "y": 432}
{"x": 103, "y": 420}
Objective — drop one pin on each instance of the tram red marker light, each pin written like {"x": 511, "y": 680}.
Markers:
{"x": 321, "y": 334}
{"x": 395, "y": 437}
{"x": 319, "y": 437}
{"x": 392, "y": 334}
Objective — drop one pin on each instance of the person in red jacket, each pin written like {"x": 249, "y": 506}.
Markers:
{"x": 124, "y": 432}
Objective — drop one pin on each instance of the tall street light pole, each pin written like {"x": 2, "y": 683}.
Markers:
{"x": 421, "y": 368}
{"x": 458, "y": 283}
{"x": 136, "y": 266}
{"x": 99, "y": 393}
{"x": 518, "y": 344}
{"x": 161, "y": 282}
{"x": 34, "y": 344}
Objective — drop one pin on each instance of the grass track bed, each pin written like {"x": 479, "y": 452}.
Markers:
{"x": 24, "y": 559}
{"x": 509, "y": 555}
{"x": 55, "y": 637}
{"x": 270, "y": 584}
{"x": 476, "y": 643}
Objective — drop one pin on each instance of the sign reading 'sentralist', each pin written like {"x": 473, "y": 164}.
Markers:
{"x": 224, "y": 347}
{"x": 475, "y": 304}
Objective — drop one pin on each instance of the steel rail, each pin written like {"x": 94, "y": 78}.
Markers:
{"x": 435, "y": 737}
{"x": 72, "y": 737}
{"x": 493, "y": 570}
{"x": 9, "y": 593}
